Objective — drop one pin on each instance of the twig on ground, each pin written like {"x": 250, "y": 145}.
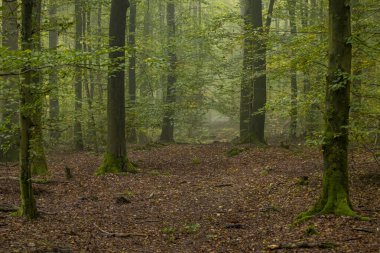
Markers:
{"x": 223, "y": 185}
{"x": 300, "y": 245}
{"x": 125, "y": 235}
{"x": 363, "y": 230}
{"x": 7, "y": 209}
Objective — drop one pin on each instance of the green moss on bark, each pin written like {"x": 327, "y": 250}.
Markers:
{"x": 114, "y": 164}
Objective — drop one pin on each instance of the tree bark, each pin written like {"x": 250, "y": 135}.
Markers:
{"x": 116, "y": 158}
{"x": 335, "y": 188}
{"x": 293, "y": 73}
{"x": 131, "y": 120}
{"x": 53, "y": 96}
{"x": 28, "y": 207}
{"x": 78, "y": 134}
{"x": 167, "y": 133}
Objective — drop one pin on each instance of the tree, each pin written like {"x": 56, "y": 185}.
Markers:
{"x": 78, "y": 135}
{"x": 254, "y": 83}
{"x": 335, "y": 187}
{"x": 8, "y": 115}
{"x": 131, "y": 134}
{"x": 115, "y": 159}
{"x": 28, "y": 207}
{"x": 167, "y": 132}
{"x": 53, "y": 96}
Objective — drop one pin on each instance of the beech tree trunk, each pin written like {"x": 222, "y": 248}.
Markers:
{"x": 335, "y": 193}
{"x": 115, "y": 159}
{"x": 254, "y": 83}
{"x": 131, "y": 120}
{"x": 53, "y": 96}
{"x": 78, "y": 135}
{"x": 167, "y": 133}
{"x": 28, "y": 207}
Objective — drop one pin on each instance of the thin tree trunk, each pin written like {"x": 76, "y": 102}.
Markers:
{"x": 53, "y": 96}
{"x": 131, "y": 120}
{"x": 293, "y": 73}
{"x": 28, "y": 207}
{"x": 167, "y": 133}
{"x": 78, "y": 135}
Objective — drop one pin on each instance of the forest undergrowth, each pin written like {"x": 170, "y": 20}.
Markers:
{"x": 191, "y": 198}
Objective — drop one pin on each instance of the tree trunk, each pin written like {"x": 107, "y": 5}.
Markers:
{"x": 293, "y": 72}
{"x": 53, "y": 96}
{"x": 8, "y": 113}
{"x": 167, "y": 133}
{"x": 335, "y": 192}
{"x": 78, "y": 135}
{"x": 131, "y": 133}
{"x": 253, "y": 91}
{"x": 116, "y": 158}
{"x": 39, "y": 164}
{"x": 28, "y": 207}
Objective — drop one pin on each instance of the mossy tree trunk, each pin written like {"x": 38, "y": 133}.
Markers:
{"x": 28, "y": 207}
{"x": 335, "y": 193}
{"x": 167, "y": 132}
{"x": 115, "y": 159}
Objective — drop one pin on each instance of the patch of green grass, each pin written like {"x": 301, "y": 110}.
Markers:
{"x": 191, "y": 228}
{"x": 196, "y": 160}
{"x": 128, "y": 193}
{"x": 234, "y": 151}
{"x": 311, "y": 230}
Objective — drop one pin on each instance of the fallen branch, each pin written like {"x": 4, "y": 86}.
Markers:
{"x": 36, "y": 181}
{"x": 304, "y": 245}
{"x": 124, "y": 235}
{"x": 223, "y": 185}
{"x": 9, "y": 178}
{"x": 364, "y": 230}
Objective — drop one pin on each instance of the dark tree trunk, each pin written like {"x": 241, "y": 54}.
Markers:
{"x": 335, "y": 193}
{"x": 167, "y": 133}
{"x": 28, "y": 207}
{"x": 53, "y": 96}
{"x": 78, "y": 135}
{"x": 8, "y": 113}
{"x": 131, "y": 133}
{"x": 39, "y": 164}
{"x": 116, "y": 157}
{"x": 254, "y": 91}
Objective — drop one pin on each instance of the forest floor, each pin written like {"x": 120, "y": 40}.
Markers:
{"x": 192, "y": 198}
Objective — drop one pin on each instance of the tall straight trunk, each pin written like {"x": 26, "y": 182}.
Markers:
{"x": 53, "y": 96}
{"x": 131, "y": 134}
{"x": 89, "y": 84}
{"x": 145, "y": 88}
{"x": 335, "y": 187}
{"x": 293, "y": 72}
{"x": 8, "y": 113}
{"x": 116, "y": 157}
{"x": 39, "y": 163}
{"x": 253, "y": 89}
{"x": 78, "y": 135}
{"x": 28, "y": 207}
{"x": 167, "y": 133}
